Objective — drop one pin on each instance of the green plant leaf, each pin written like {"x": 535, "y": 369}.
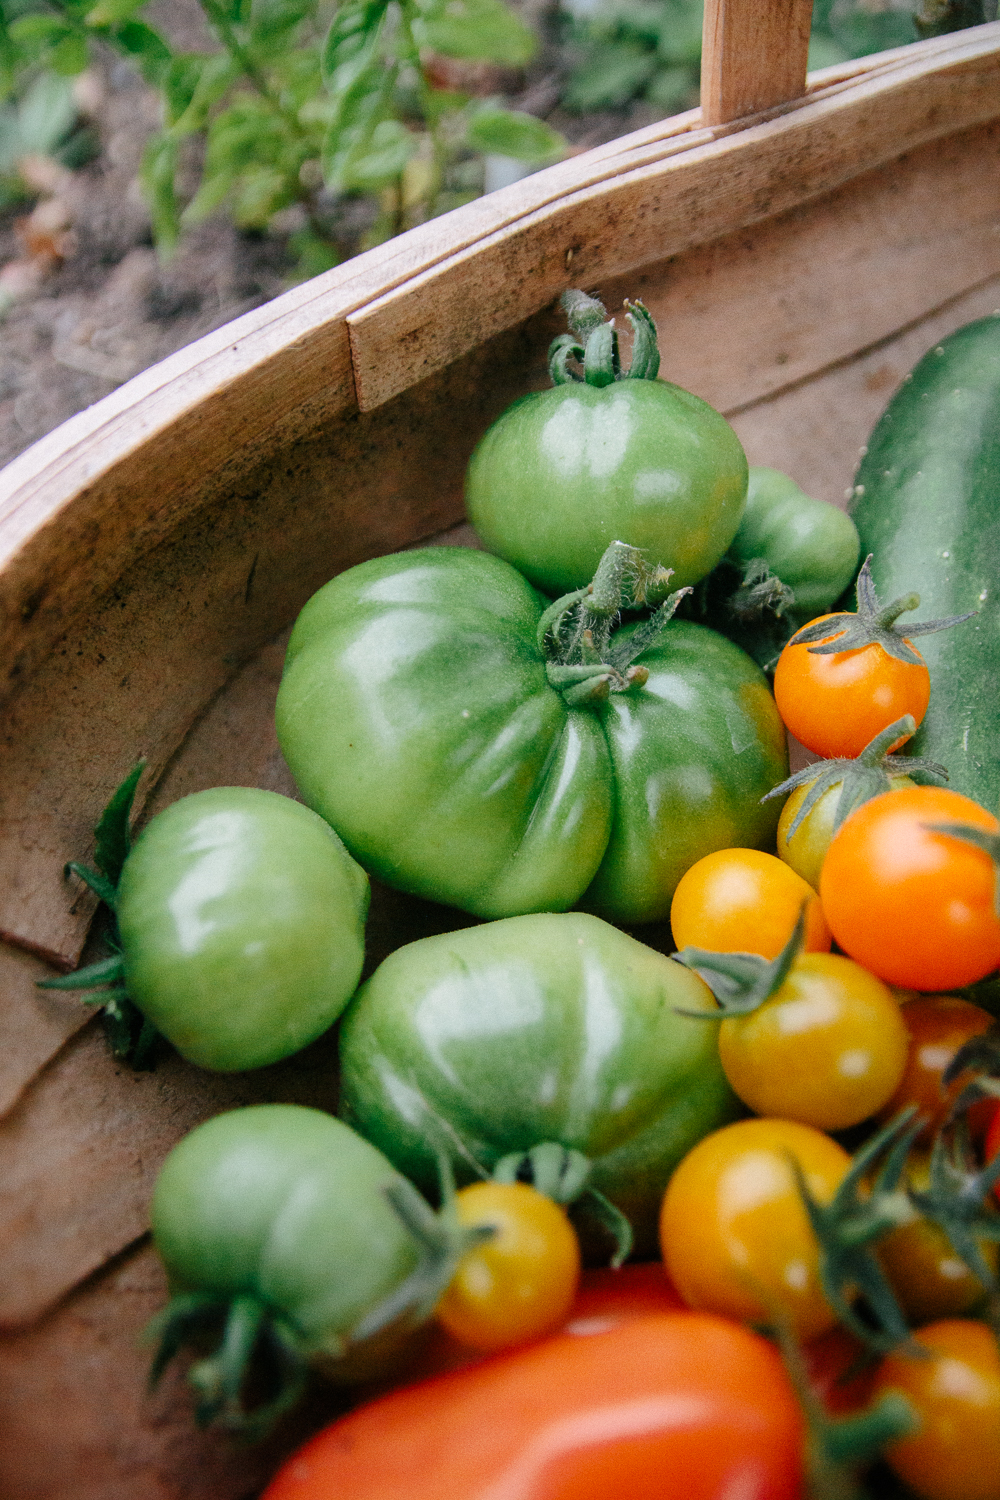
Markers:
{"x": 194, "y": 84}
{"x": 147, "y": 46}
{"x": 351, "y": 41}
{"x": 112, "y": 12}
{"x": 508, "y": 132}
{"x": 374, "y": 158}
{"x": 484, "y": 30}
{"x": 35, "y": 31}
{"x": 70, "y": 55}
{"x": 616, "y": 74}
{"x": 157, "y": 176}
{"x": 46, "y": 114}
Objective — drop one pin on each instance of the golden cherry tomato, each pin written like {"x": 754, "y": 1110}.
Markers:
{"x": 836, "y": 704}
{"x": 805, "y": 850}
{"x": 827, "y": 1049}
{"x": 734, "y": 1231}
{"x": 928, "y": 1278}
{"x": 914, "y": 905}
{"x": 744, "y": 901}
{"x": 521, "y": 1283}
{"x": 955, "y": 1393}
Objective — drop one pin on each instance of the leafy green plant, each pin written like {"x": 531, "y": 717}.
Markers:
{"x": 294, "y": 107}
{"x": 651, "y": 49}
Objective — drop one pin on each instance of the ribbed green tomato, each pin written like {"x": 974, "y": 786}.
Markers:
{"x": 422, "y": 718}
{"x": 564, "y": 472}
{"x": 537, "y": 1029}
{"x": 242, "y": 918}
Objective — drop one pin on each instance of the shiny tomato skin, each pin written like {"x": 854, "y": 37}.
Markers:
{"x": 955, "y": 1453}
{"x": 929, "y": 1278}
{"x": 913, "y": 905}
{"x": 565, "y": 472}
{"x": 242, "y": 922}
{"x": 806, "y": 849}
{"x": 521, "y": 1283}
{"x": 605, "y": 1298}
{"x": 744, "y": 901}
{"x": 937, "y": 1026}
{"x": 835, "y": 705}
{"x": 827, "y": 1049}
{"x": 600, "y": 1417}
{"x": 735, "y": 1235}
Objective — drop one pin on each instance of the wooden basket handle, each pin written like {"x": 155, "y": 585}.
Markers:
{"x": 754, "y": 56}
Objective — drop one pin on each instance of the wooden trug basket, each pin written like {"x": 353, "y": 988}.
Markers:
{"x": 800, "y": 244}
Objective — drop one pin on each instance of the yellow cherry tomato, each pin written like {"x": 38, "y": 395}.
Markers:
{"x": 734, "y": 1231}
{"x": 827, "y": 1049}
{"x": 806, "y": 849}
{"x": 744, "y": 901}
{"x": 521, "y": 1283}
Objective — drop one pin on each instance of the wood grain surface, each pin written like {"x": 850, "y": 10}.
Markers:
{"x": 753, "y": 56}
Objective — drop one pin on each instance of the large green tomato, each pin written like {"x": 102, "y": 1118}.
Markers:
{"x": 564, "y": 472}
{"x": 277, "y": 1232}
{"x": 241, "y": 917}
{"x": 546, "y": 1028}
{"x": 461, "y": 758}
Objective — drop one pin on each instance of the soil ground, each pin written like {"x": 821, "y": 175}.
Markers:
{"x": 86, "y": 321}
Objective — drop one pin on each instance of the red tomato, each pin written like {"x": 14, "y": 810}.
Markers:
{"x": 914, "y": 906}
{"x": 835, "y": 705}
{"x": 682, "y": 1404}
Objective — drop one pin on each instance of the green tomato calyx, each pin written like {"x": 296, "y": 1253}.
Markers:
{"x": 861, "y": 779}
{"x": 874, "y": 624}
{"x": 958, "y": 1198}
{"x": 130, "y": 1036}
{"x": 245, "y": 1336}
{"x": 741, "y": 982}
{"x": 583, "y": 661}
{"x": 563, "y": 1174}
{"x": 593, "y": 344}
{"x": 442, "y": 1242}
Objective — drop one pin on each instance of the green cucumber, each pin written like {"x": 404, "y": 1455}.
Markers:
{"x": 926, "y": 504}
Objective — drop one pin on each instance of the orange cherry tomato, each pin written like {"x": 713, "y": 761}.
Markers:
{"x": 521, "y": 1283}
{"x": 913, "y": 905}
{"x": 744, "y": 901}
{"x": 937, "y": 1025}
{"x": 735, "y": 1233}
{"x": 835, "y": 705}
{"x": 681, "y": 1403}
{"x": 806, "y": 849}
{"x": 955, "y": 1392}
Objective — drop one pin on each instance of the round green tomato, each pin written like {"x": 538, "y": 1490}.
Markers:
{"x": 241, "y": 917}
{"x": 564, "y": 472}
{"x": 546, "y": 1028}
{"x": 284, "y": 1204}
{"x": 418, "y": 717}
{"x": 810, "y": 544}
